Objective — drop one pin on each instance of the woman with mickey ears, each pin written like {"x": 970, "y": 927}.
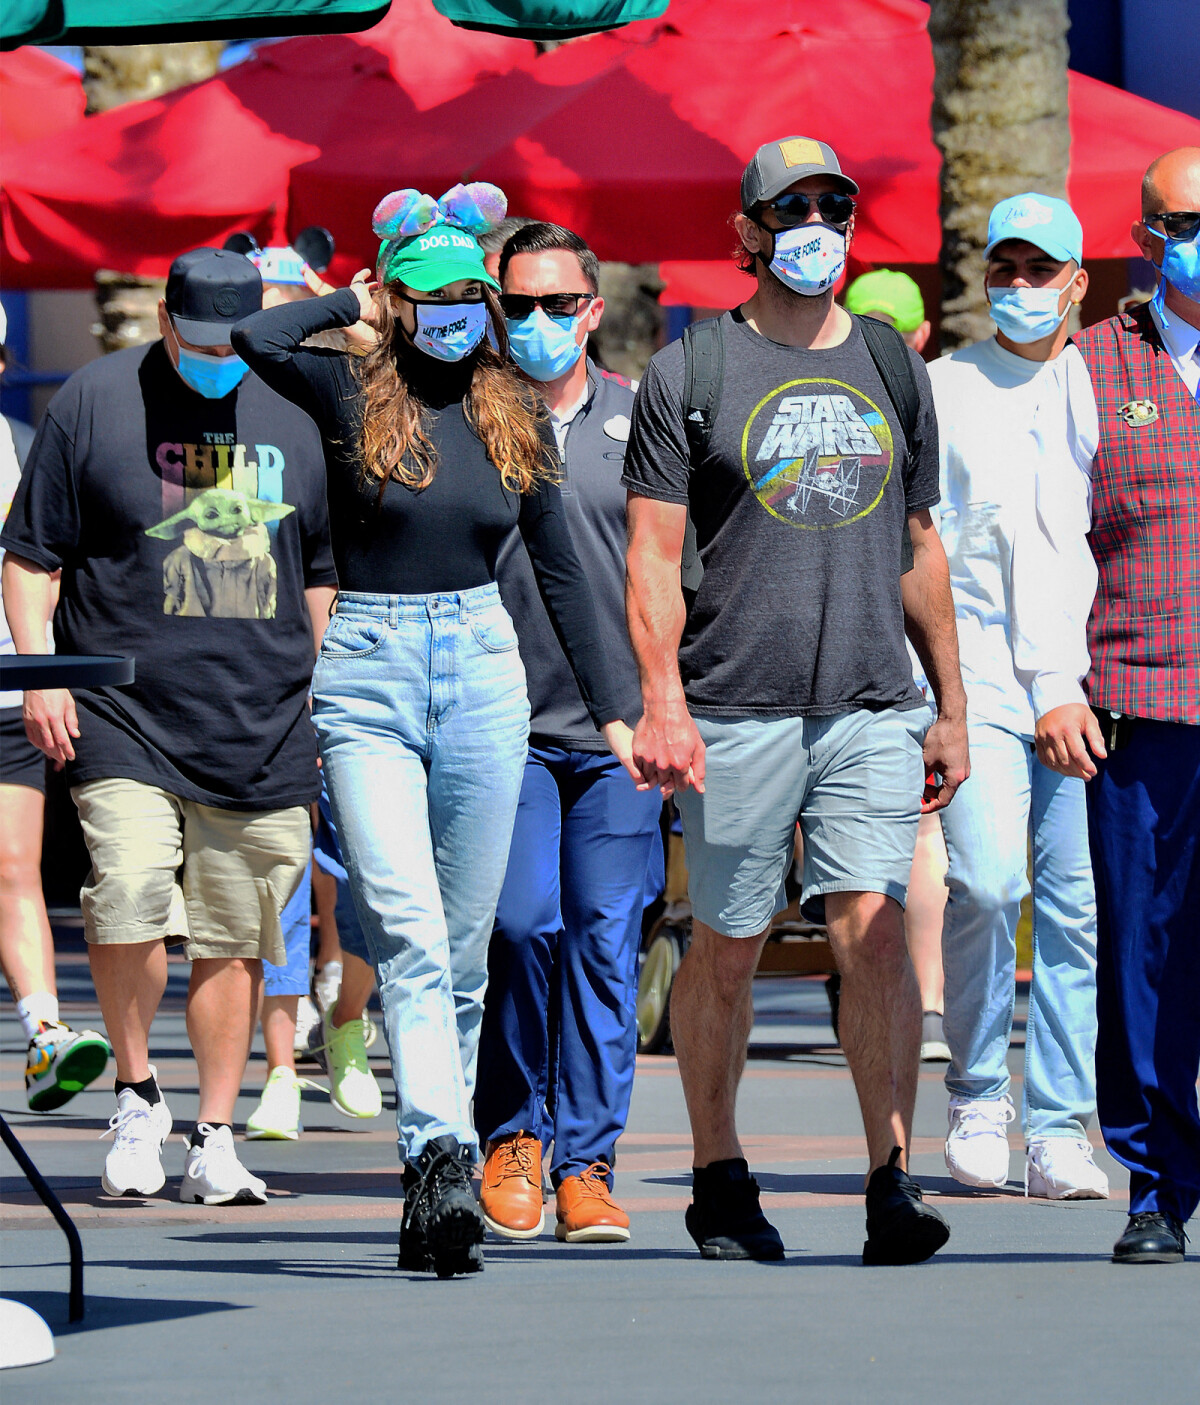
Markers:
{"x": 435, "y": 450}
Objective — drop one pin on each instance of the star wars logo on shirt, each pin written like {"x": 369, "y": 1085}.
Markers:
{"x": 222, "y": 502}
{"x": 817, "y": 453}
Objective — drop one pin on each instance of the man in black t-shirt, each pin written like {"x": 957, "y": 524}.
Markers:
{"x": 785, "y": 692}
{"x": 184, "y": 504}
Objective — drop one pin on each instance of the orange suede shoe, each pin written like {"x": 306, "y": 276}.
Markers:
{"x": 511, "y": 1194}
{"x": 587, "y": 1213}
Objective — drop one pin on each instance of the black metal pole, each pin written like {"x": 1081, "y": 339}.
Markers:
{"x": 65, "y": 1222}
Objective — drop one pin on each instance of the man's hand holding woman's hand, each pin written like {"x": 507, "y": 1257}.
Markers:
{"x": 668, "y": 751}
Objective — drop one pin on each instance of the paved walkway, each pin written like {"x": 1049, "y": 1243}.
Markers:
{"x": 299, "y": 1300}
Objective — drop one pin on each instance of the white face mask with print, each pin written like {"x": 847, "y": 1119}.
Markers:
{"x": 809, "y": 259}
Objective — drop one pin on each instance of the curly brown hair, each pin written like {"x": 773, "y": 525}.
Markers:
{"x": 502, "y": 409}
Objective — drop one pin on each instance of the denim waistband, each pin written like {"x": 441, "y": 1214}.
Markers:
{"x": 396, "y": 607}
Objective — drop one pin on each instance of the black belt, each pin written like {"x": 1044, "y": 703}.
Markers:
{"x": 1115, "y": 728}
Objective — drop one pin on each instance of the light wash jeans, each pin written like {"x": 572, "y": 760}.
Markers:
{"x": 987, "y": 828}
{"x": 423, "y": 720}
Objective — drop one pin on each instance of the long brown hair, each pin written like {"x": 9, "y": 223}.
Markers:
{"x": 500, "y": 407}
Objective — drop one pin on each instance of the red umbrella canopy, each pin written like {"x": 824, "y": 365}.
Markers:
{"x": 132, "y": 188}
{"x": 637, "y": 138}
{"x": 39, "y": 95}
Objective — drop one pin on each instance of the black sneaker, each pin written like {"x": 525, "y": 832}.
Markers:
{"x": 901, "y": 1228}
{"x": 442, "y": 1229}
{"x": 725, "y": 1218}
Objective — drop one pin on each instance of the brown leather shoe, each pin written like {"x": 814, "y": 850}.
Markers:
{"x": 587, "y": 1213}
{"x": 511, "y": 1194}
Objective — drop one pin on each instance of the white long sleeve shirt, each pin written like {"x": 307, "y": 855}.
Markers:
{"x": 1017, "y": 442}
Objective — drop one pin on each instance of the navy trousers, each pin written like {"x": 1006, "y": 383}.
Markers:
{"x": 559, "y": 1038}
{"x": 1144, "y": 820}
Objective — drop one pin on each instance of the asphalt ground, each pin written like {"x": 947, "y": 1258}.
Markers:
{"x": 299, "y": 1300}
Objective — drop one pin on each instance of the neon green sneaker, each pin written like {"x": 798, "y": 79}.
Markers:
{"x": 352, "y": 1085}
{"x": 60, "y": 1063}
{"x": 277, "y": 1116}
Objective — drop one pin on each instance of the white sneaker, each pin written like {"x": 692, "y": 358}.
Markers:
{"x": 308, "y": 1028}
{"x": 1061, "y": 1168}
{"x": 213, "y": 1175}
{"x": 134, "y": 1165}
{"x": 977, "y": 1144}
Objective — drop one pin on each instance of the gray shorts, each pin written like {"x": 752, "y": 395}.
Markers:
{"x": 853, "y": 782}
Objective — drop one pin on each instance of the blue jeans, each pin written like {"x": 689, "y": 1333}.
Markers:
{"x": 559, "y": 1041}
{"x": 423, "y": 720}
{"x": 987, "y": 828}
{"x": 1144, "y": 808}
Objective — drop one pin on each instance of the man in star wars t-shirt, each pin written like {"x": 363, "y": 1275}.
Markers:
{"x": 184, "y": 504}
{"x": 785, "y": 691}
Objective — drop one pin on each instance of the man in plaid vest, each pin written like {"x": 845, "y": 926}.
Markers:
{"x": 1139, "y": 743}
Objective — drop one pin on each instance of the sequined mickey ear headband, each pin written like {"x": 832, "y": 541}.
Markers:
{"x": 475, "y": 208}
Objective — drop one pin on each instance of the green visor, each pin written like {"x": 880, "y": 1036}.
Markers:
{"x": 427, "y": 261}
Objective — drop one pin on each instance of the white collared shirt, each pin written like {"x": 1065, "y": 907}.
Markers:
{"x": 1017, "y": 442}
{"x": 1182, "y": 342}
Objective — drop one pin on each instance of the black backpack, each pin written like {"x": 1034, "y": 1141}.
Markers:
{"x": 703, "y": 377}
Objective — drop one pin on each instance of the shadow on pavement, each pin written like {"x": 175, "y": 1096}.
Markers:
{"x": 114, "y": 1312}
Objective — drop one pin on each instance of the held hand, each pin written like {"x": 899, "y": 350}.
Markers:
{"x": 668, "y": 750}
{"x": 946, "y": 756}
{"x": 51, "y": 722}
{"x": 620, "y": 742}
{"x": 1064, "y": 738}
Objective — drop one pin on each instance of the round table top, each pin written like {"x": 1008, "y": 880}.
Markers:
{"x": 63, "y": 670}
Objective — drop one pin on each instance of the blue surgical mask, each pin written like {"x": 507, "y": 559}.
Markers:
{"x": 544, "y": 347}
{"x": 448, "y": 331}
{"x": 1181, "y": 263}
{"x": 211, "y": 376}
{"x": 1026, "y": 314}
{"x": 810, "y": 258}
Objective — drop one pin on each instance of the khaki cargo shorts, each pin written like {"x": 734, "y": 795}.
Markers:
{"x": 165, "y": 869}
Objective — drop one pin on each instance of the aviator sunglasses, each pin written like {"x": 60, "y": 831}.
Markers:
{"x": 1179, "y": 224}
{"x": 518, "y": 306}
{"x": 793, "y": 209}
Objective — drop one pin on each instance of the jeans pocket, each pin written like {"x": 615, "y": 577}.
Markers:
{"x": 494, "y": 631}
{"x": 352, "y": 637}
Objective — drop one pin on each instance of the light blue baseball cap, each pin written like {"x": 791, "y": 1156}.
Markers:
{"x": 1043, "y": 220}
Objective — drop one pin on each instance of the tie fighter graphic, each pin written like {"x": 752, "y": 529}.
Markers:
{"x": 837, "y": 483}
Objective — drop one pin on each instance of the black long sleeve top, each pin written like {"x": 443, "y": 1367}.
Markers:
{"x": 447, "y": 536}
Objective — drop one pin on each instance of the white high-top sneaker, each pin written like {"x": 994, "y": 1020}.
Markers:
{"x": 213, "y": 1175}
{"x": 134, "y": 1164}
{"x": 977, "y": 1143}
{"x": 1061, "y": 1168}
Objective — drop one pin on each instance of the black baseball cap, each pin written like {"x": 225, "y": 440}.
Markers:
{"x": 777, "y": 164}
{"x": 208, "y": 290}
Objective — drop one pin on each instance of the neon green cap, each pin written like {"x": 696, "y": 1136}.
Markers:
{"x": 440, "y": 255}
{"x": 888, "y": 291}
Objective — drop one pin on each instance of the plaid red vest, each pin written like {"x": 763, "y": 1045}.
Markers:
{"x": 1144, "y": 631}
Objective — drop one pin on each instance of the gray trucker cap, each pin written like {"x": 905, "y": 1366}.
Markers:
{"x": 777, "y": 164}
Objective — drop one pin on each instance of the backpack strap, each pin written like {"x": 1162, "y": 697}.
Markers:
{"x": 703, "y": 376}
{"x": 889, "y": 351}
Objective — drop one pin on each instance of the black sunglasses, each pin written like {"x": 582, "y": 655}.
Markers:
{"x": 518, "y": 306}
{"x": 793, "y": 209}
{"x": 1179, "y": 224}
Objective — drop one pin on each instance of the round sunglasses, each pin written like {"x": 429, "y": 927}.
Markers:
{"x": 1179, "y": 224}
{"x": 793, "y": 209}
{"x": 518, "y": 306}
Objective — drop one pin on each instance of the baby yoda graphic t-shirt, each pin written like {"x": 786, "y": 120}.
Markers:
{"x": 187, "y": 531}
{"x": 799, "y": 506}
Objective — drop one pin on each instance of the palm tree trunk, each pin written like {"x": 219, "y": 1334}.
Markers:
{"x": 1000, "y": 122}
{"x": 116, "y": 74}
